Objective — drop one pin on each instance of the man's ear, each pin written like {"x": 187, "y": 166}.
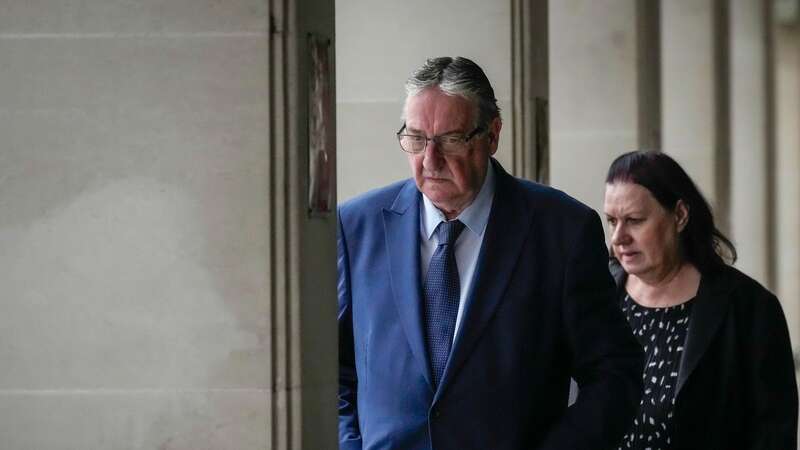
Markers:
{"x": 494, "y": 134}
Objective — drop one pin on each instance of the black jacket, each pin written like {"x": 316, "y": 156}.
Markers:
{"x": 736, "y": 385}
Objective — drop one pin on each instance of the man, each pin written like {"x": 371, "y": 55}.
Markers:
{"x": 467, "y": 297}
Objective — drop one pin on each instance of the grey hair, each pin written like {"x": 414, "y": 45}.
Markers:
{"x": 456, "y": 76}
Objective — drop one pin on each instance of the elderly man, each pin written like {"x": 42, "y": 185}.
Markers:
{"x": 468, "y": 298}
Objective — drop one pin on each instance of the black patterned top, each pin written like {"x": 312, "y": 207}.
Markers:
{"x": 661, "y": 332}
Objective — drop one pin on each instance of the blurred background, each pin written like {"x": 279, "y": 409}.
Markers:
{"x": 166, "y": 281}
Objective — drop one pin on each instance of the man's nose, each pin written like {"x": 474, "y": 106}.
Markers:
{"x": 432, "y": 158}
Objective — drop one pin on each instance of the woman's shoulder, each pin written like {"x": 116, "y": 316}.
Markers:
{"x": 742, "y": 290}
{"x": 731, "y": 278}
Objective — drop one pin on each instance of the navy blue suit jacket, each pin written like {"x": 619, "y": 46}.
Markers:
{"x": 542, "y": 309}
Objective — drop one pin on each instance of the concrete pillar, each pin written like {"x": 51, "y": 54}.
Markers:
{"x": 593, "y": 92}
{"x": 648, "y": 18}
{"x": 694, "y": 122}
{"x": 750, "y": 203}
{"x": 530, "y": 90}
{"x": 154, "y": 244}
{"x": 787, "y": 173}
{"x": 302, "y": 265}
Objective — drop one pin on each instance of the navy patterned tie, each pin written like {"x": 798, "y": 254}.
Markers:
{"x": 442, "y": 291}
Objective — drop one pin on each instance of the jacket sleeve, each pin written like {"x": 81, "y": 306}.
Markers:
{"x": 606, "y": 360}
{"x": 349, "y": 433}
{"x": 774, "y": 390}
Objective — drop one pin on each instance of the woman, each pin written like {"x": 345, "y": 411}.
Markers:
{"x": 718, "y": 363}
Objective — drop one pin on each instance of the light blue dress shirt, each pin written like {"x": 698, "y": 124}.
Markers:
{"x": 468, "y": 245}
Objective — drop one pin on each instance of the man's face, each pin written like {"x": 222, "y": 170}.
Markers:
{"x": 451, "y": 182}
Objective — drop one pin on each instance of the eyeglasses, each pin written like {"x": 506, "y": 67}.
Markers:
{"x": 448, "y": 144}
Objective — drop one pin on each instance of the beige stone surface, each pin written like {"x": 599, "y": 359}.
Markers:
{"x": 688, "y": 89}
{"x": 593, "y": 103}
{"x": 368, "y": 153}
{"x": 132, "y": 234}
{"x": 133, "y": 243}
{"x": 135, "y": 420}
{"x": 380, "y": 43}
{"x": 122, "y": 287}
{"x": 787, "y": 176}
{"x": 750, "y": 175}
{"x": 81, "y": 17}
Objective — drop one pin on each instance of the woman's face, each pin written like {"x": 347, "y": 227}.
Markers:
{"x": 644, "y": 235}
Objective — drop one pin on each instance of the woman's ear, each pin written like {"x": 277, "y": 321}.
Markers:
{"x": 681, "y": 215}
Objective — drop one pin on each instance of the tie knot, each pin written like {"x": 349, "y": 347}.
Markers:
{"x": 448, "y": 232}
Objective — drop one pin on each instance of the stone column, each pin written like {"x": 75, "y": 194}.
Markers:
{"x": 648, "y": 18}
{"x": 302, "y": 242}
{"x": 786, "y": 180}
{"x": 693, "y": 93}
{"x": 594, "y": 110}
{"x": 163, "y": 284}
{"x": 750, "y": 125}
{"x": 530, "y": 90}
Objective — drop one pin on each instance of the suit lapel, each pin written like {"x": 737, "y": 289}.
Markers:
{"x": 508, "y": 227}
{"x": 709, "y": 310}
{"x": 401, "y": 227}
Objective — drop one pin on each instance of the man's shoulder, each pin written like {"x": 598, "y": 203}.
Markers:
{"x": 550, "y": 199}
{"x": 373, "y": 201}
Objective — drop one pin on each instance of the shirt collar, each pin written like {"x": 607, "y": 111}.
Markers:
{"x": 475, "y": 216}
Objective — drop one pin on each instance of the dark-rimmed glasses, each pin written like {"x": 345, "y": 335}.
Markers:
{"x": 448, "y": 144}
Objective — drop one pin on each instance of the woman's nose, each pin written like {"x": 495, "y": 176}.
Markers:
{"x": 619, "y": 235}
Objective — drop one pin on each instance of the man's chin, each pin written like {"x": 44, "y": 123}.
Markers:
{"x": 437, "y": 196}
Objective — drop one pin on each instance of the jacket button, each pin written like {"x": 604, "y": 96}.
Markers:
{"x": 437, "y": 413}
